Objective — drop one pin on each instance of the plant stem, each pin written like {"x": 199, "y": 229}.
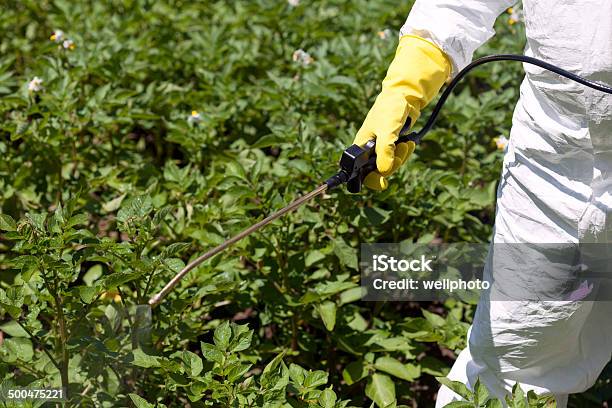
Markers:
{"x": 463, "y": 163}
{"x": 23, "y": 366}
{"x": 65, "y": 358}
{"x": 75, "y": 159}
{"x": 62, "y": 365}
{"x": 150, "y": 278}
{"x": 40, "y": 343}
{"x": 122, "y": 297}
{"x": 294, "y": 333}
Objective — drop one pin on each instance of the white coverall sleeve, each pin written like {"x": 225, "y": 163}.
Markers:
{"x": 458, "y": 27}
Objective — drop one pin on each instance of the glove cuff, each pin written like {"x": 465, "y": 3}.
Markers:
{"x": 433, "y": 51}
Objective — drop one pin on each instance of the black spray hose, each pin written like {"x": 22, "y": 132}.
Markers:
{"x": 492, "y": 58}
{"x": 358, "y": 161}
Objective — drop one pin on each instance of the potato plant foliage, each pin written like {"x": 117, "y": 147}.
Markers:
{"x": 137, "y": 134}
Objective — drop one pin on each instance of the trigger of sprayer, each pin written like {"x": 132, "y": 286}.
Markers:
{"x": 359, "y": 161}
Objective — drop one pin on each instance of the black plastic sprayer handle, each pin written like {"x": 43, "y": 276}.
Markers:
{"x": 359, "y": 161}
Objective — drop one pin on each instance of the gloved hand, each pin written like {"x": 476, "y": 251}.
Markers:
{"x": 414, "y": 78}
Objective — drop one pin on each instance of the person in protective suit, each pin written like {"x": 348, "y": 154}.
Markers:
{"x": 555, "y": 187}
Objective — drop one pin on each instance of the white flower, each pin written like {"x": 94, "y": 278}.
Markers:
{"x": 501, "y": 142}
{"x": 195, "y": 117}
{"x": 58, "y": 36}
{"x": 385, "y": 34}
{"x": 516, "y": 15}
{"x": 68, "y": 44}
{"x": 35, "y": 84}
{"x": 302, "y": 57}
{"x": 293, "y": 3}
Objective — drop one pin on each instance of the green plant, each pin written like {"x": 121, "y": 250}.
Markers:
{"x": 168, "y": 126}
{"x": 223, "y": 375}
{"x": 480, "y": 397}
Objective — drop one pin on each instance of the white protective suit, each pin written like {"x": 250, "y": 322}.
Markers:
{"x": 556, "y": 187}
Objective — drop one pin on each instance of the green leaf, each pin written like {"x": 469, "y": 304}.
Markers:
{"x": 241, "y": 338}
{"x": 381, "y": 390}
{"x": 390, "y": 365}
{"x": 315, "y": 378}
{"x": 78, "y": 219}
{"x": 327, "y": 310}
{"x": 274, "y": 363}
{"x": 297, "y": 374}
{"x": 111, "y": 281}
{"x": 144, "y": 116}
{"x": 354, "y": 372}
{"x": 328, "y": 398}
{"x": 37, "y": 220}
{"x": 134, "y": 209}
{"x": 395, "y": 344}
{"x": 494, "y": 403}
{"x": 29, "y": 266}
{"x": 237, "y": 371}
{"x": 192, "y": 363}
{"x": 174, "y": 264}
{"x": 346, "y": 254}
{"x": 13, "y": 329}
{"x": 195, "y": 391}
{"x": 234, "y": 168}
{"x": 351, "y": 295}
{"x": 141, "y": 359}
{"x": 357, "y": 322}
{"x": 275, "y": 375}
{"x": 267, "y": 141}
{"x": 222, "y": 335}
{"x": 114, "y": 316}
{"x": 313, "y": 257}
{"x": 212, "y": 353}
{"x": 11, "y": 301}
{"x": 433, "y": 366}
{"x": 457, "y": 387}
{"x": 176, "y": 248}
{"x": 376, "y": 216}
{"x": 140, "y": 402}
{"x": 88, "y": 293}
{"x": 459, "y": 404}
{"x": 113, "y": 204}
{"x": 324, "y": 290}
{"x": 434, "y": 319}
{"x": 532, "y": 398}
{"x": 419, "y": 328}
{"x": 481, "y": 394}
{"x": 519, "y": 399}
{"x": 7, "y": 223}
{"x": 18, "y": 348}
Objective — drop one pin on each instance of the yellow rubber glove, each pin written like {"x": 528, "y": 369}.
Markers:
{"x": 414, "y": 78}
